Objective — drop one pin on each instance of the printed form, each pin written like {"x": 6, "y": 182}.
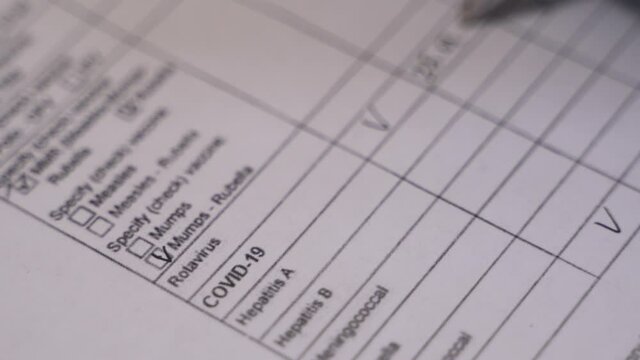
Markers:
{"x": 337, "y": 179}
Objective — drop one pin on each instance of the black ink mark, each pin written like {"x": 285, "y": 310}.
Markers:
{"x": 378, "y": 123}
{"x": 24, "y": 184}
{"x": 167, "y": 258}
{"x": 427, "y": 67}
{"x": 447, "y": 43}
{"x": 615, "y": 228}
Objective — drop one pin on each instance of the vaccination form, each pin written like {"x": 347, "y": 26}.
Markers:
{"x": 337, "y": 179}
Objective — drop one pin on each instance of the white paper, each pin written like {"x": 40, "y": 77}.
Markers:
{"x": 339, "y": 179}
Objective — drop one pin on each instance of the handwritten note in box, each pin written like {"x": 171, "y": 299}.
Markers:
{"x": 157, "y": 259}
{"x": 381, "y": 117}
{"x": 606, "y": 232}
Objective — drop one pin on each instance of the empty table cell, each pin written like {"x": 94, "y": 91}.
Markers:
{"x": 447, "y": 156}
{"x": 605, "y": 324}
{"x": 546, "y": 102}
{"x": 482, "y": 312}
{"x": 605, "y": 34}
{"x": 626, "y": 64}
{"x": 338, "y": 16}
{"x": 418, "y": 252}
{"x": 518, "y": 200}
{"x": 265, "y": 60}
{"x": 588, "y": 116}
{"x": 569, "y": 17}
{"x": 523, "y": 20}
{"x": 501, "y": 96}
{"x": 128, "y": 15}
{"x": 619, "y": 146}
{"x": 416, "y": 135}
{"x": 633, "y": 178}
{"x": 539, "y": 315}
{"x": 477, "y": 66}
{"x": 570, "y": 204}
{"x": 92, "y": 5}
{"x": 444, "y": 286}
{"x": 488, "y": 170}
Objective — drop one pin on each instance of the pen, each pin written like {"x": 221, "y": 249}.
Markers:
{"x": 480, "y": 9}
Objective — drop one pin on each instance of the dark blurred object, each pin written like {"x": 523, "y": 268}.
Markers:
{"x": 476, "y": 10}
{"x": 473, "y": 10}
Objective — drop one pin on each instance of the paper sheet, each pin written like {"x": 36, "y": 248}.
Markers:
{"x": 338, "y": 179}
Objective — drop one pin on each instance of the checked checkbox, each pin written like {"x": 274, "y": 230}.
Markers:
{"x": 158, "y": 258}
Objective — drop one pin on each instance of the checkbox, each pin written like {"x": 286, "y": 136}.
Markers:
{"x": 157, "y": 261}
{"x": 140, "y": 247}
{"x": 81, "y": 216}
{"x": 100, "y": 226}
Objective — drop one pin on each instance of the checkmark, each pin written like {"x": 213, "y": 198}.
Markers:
{"x": 166, "y": 257}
